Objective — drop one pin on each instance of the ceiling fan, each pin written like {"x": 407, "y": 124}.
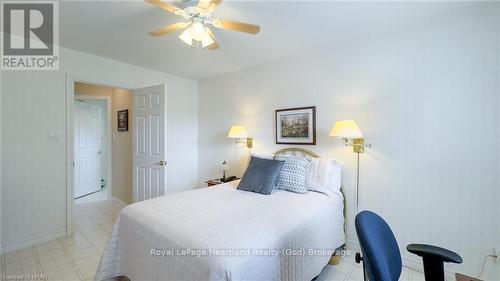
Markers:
{"x": 196, "y": 19}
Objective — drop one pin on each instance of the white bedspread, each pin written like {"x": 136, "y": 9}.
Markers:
{"x": 198, "y": 222}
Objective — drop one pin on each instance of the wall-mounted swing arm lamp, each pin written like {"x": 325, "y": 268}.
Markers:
{"x": 349, "y": 131}
{"x": 240, "y": 135}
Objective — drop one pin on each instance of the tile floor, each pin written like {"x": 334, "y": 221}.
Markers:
{"x": 69, "y": 258}
{"x": 97, "y": 196}
{"x": 77, "y": 257}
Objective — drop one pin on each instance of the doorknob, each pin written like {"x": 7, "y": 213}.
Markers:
{"x": 162, "y": 163}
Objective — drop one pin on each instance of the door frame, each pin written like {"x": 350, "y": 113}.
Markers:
{"x": 70, "y": 98}
{"x": 109, "y": 132}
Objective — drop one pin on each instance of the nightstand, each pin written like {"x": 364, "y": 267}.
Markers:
{"x": 218, "y": 181}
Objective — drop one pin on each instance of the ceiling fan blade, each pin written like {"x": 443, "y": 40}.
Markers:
{"x": 204, "y": 4}
{"x": 236, "y": 26}
{"x": 169, "y": 28}
{"x": 164, "y": 6}
{"x": 213, "y": 46}
{"x": 213, "y": 5}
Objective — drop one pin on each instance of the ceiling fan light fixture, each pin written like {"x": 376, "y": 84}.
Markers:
{"x": 187, "y": 37}
{"x": 198, "y": 29}
{"x": 207, "y": 40}
{"x": 197, "y": 32}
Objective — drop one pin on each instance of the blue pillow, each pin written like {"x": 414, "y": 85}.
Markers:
{"x": 261, "y": 175}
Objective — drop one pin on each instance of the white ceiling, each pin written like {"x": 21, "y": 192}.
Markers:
{"x": 119, "y": 30}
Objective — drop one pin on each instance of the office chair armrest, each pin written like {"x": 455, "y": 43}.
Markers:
{"x": 429, "y": 251}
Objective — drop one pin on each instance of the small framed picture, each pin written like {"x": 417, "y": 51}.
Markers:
{"x": 122, "y": 120}
{"x": 296, "y": 126}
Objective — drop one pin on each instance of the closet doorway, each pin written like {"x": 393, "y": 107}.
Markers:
{"x": 102, "y": 148}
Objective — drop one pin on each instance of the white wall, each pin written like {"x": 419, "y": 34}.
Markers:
{"x": 425, "y": 96}
{"x": 498, "y": 137}
{"x": 122, "y": 146}
{"x": 182, "y": 138}
{"x": 0, "y": 159}
{"x": 33, "y": 206}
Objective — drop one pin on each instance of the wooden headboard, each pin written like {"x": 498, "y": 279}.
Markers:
{"x": 300, "y": 152}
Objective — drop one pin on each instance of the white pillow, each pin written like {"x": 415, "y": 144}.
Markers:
{"x": 324, "y": 175}
{"x": 263, "y": 156}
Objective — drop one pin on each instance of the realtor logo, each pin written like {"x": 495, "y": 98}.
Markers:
{"x": 30, "y": 36}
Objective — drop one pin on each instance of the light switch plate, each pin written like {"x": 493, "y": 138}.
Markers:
{"x": 55, "y": 137}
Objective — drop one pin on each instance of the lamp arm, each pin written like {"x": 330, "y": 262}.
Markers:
{"x": 349, "y": 142}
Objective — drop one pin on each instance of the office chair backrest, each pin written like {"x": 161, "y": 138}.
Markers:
{"x": 381, "y": 256}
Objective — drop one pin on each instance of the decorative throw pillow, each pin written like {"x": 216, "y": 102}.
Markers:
{"x": 324, "y": 176}
{"x": 261, "y": 175}
{"x": 293, "y": 174}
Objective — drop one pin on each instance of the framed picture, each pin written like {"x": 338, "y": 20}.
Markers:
{"x": 296, "y": 125}
{"x": 122, "y": 120}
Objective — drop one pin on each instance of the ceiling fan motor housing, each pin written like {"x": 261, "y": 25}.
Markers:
{"x": 191, "y": 13}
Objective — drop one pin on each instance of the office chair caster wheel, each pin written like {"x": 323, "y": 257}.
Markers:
{"x": 358, "y": 258}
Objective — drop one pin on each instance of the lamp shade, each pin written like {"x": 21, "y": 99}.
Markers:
{"x": 187, "y": 37}
{"x": 237, "y": 132}
{"x": 346, "y": 129}
{"x": 198, "y": 32}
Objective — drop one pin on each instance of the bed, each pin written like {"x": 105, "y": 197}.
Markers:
{"x": 222, "y": 233}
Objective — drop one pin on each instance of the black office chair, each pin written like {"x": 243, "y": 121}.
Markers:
{"x": 380, "y": 252}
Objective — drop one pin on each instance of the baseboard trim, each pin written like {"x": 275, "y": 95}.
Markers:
{"x": 29, "y": 243}
{"x": 57, "y": 235}
{"x": 119, "y": 201}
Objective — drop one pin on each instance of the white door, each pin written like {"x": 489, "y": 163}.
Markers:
{"x": 88, "y": 151}
{"x": 149, "y": 142}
